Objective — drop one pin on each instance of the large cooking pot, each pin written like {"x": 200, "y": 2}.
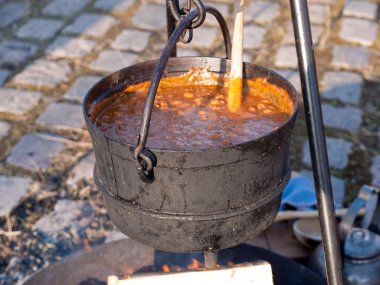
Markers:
{"x": 197, "y": 200}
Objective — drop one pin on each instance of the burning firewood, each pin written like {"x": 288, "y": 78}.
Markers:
{"x": 259, "y": 273}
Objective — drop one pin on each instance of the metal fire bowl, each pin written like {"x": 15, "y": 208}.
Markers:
{"x": 128, "y": 256}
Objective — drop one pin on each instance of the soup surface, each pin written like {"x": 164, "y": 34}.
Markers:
{"x": 190, "y": 112}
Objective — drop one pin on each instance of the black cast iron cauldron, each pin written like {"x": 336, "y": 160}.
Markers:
{"x": 200, "y": 200}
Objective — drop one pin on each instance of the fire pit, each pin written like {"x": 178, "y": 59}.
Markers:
{"x": 128, "y": 257}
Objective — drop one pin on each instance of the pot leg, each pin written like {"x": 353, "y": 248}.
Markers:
{"x": 211, "y": 258}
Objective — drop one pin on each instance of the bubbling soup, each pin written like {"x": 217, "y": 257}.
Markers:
{"x": 190, "y": 112}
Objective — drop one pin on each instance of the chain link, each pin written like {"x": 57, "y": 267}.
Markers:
{"x": 179, "y": 13}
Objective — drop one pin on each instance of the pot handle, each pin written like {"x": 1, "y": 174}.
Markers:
{"x": 146, "y": 160}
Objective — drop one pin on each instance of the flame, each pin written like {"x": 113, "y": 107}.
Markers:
{"x": 195, "y": 264}
{"x": 128, "y": 271}
{"x": 165, "y": 268}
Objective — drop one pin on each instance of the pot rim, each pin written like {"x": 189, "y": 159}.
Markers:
{"x": 223, "y": 148}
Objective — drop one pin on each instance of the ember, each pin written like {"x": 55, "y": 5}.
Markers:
{"x": 165, "y": 268}
{"x": 195, "y": 264}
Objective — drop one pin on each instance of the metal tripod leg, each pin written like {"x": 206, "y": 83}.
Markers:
{"x": 317, "y": 141}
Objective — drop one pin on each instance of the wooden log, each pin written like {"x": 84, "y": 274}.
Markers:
{"x": 258, "y": 273}
{"x": 292, "y": 215}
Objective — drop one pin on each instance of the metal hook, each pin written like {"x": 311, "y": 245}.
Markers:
{"x": 146, "y": 161}
{"x": 189, "y": 38}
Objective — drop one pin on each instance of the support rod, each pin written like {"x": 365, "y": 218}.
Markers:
{"x": 171, "y": 25}
{"x": 317, "y": 141}
{"x": 211, "y": 259}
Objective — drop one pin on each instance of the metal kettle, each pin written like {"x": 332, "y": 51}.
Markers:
{"x": 360, "y": 246}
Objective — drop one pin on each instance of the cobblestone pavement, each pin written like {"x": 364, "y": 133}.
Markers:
{"x": 52, "y": 51}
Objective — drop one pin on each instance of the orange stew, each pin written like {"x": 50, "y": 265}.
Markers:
{"x": 190, "y": 112}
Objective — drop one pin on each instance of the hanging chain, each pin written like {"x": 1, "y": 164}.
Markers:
{"x": 184, "y": 12}
{"x": 179, "y": 13}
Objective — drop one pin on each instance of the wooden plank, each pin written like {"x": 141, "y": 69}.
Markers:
{"x": 259, "y": 273}
{"x": 291, "y": 215}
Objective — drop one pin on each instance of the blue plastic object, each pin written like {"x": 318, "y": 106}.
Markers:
{"x": 299, "y": 194}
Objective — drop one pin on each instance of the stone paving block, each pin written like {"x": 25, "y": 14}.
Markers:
{"x": 318, "y": 14}
{"x": 131, "y": 39}
{"x": 205, "y": 37}
{"x": 14, "y": 52}
{"x": 80, "y": 87}
{"x": 115, "y": 235}
{"x": 43, "y": 73}
{"x": 261, "y": 12}
{"x": 350, "y": 57}
{"x": 83, "y": 170}
{"x": 337, "y": 184}
{"x": 112, "y": 60}
{"x": 12, "y": 12}
{"x": 253, "y": 36}
{"x": 69, "y": 47}
{"x": 187, "y": 52}
{"x": 316, "y": 33}
{"x": 92, "y": 25}
{"x": 40, "y": 28}
{"x": 337, "y": 149}
{"x": 116, "y": 6}
{"x": 67, "y": 215}
{"x": 65, "y": 8}
{"x": 12, "y": 189}
{"x": 375, "y": 170}
{"x": 17, "y": 102}
{"x": 34, "y": 152}
{"x": 360, "y": 9}
{"x": 292, "y": 76}
{"x": 359, "y": 31}
{"x": 4, "y": 74}
{"x": 4, "y": 129}
{"x": 286, "y": 57}
{"x": 343, "y": 118}
{"x": 223, "y": 8}
{"x": 62, "y": 116}
{"x": 156, "y": 19}
{"x": 342, "y": 85}
{"x": 327, "y": 2}
{"x": 247, "y": 57}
